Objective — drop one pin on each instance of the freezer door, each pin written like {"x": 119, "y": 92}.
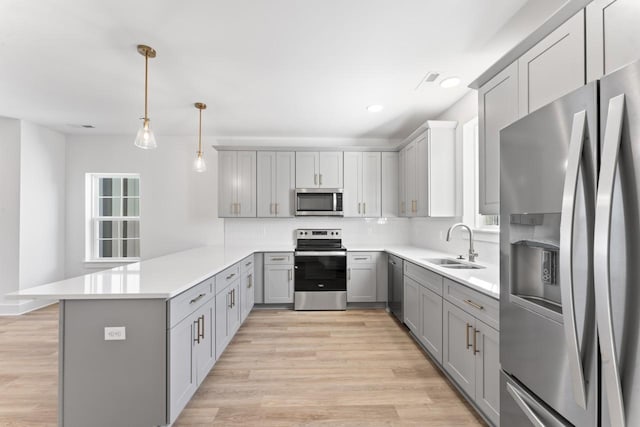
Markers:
{"x": 547, "y": 310}
{"x": 518, "y": 407}
{"x": 617, "y": 247}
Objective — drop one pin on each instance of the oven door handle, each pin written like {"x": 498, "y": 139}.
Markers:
{"x": 320, "y": 253}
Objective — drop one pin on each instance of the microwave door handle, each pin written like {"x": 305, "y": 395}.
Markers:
{"x": 576, "y": 146}
{"x": 601, "y": 269}
{"x": 335, "y": 200}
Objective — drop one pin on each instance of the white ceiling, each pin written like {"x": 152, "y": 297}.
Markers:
{"x": 277, "y": 68}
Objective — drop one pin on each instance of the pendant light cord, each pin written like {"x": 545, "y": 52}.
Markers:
{"x": 200, "y": 135}
{"x": 146, "y": 78}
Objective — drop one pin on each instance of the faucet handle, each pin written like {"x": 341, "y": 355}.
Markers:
{"x": 460, "y": 257}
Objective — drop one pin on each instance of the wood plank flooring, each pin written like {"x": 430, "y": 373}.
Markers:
{"x": 283, "y": 368}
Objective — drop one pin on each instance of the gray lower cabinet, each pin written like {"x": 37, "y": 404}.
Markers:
{"x": 278, "y": 278}
{"x": 412, "y": 304}
{"x": 191, "y": 344}
{"x": 430, "y": 334}
{"x": 247, "y": 291}
{"x": 471, "y": 357}
{"x": 362, "y": 277}
{"x": 227, "y": 315}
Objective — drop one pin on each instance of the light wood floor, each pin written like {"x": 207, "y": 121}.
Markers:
{"x": 283, "y": 368}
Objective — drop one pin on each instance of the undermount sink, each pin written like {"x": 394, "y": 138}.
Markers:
{"x": 452, "y": 263}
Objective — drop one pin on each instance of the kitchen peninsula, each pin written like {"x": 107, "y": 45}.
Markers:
{"x": 137, "y": 340}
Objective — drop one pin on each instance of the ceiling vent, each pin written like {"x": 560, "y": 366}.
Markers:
{"x": 429, "y": 78}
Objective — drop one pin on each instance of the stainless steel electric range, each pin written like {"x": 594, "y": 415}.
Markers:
{"x": 320, "y": 270}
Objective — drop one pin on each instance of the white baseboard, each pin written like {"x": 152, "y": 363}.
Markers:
{"x": 22, "y": 307}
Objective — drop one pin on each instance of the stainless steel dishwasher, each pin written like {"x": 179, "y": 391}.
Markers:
{"x": 396, "y": 286}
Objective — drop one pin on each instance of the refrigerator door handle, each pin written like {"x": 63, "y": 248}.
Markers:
{"x": 601, "y": 247}
{"x": 531, "y": 415}
{"x": 576, "y": 146}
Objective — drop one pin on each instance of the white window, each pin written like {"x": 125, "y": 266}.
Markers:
{"x": 113, "y": 211}
{"x": 471, "y": 181}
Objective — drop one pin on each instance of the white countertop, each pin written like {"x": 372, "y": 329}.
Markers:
{"x": 170, "y": 275}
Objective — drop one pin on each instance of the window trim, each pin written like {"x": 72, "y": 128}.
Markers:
{"x": 92, "y": 201}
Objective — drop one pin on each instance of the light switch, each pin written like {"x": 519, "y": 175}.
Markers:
{"x": 115, "y": 333}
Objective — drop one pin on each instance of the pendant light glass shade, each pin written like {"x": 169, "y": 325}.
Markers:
{"x": 199, "y": 164}
{"x": 145, "y": 138}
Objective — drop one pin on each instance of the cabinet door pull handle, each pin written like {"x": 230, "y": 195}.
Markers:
{"x": 233, "y": 293}
{"x": 364, "y": 208}
{"x": 202, "y": 332}
{"x": 230, "y": 276}
{"x": 320, "y": 179}
{"x": 468, "y": 342}
{"x": 278, "y": 259}
{"x": 358, "y": 208}
{"x": 474, "y": 304}
{"x": 196, "y": 299}
{"x": 315, "y": 179}
{"x": 197, "y": 334}
{"x": 248, "y": 264}
{"x": 475, "y": 341}
{"x": 289, "y": 274}
{"x": 364, "y": 258}
{"x": 250, "y": 281}
{"x": 348, "y": 274}
{"x": 229, "y": 303}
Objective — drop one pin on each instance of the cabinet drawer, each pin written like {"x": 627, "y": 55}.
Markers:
{"x": 271, "y": 258}
{"x": 246, "y": 264}
{"x": 226, "y": 277}
{"x": 427, "y": 278}
{"x": 187, "y": 302}
{"x": 361, "y": 258}
{"x": 481, "y": 306}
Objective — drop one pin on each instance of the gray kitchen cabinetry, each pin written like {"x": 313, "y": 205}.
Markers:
{"x": 227, "y": 314}
{"x": 247, "y": 284}
{"x": 319, "y": 169}
{"x": 362, "y": 284}
{"x": 411, "y": 305}
{"x": 613, "y": 39}
{"x": 362, "y": 184}
{"x": 429, "y": 171}
{"x": 402, "y": 190}
{"x": 498, "y": 107}
{"x": 236, "y": 184}
{"x": 553, "y": 67}
{"x": 471, "y": 346}
{"x": 278, "y": 278}
{"x": 428, "y": 321}
{"x": 390, "y": 188}
{"x": 276, "y": 183}
{"x": 191, "y": 343}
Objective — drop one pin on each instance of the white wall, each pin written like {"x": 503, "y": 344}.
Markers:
{"x": 42, "y": 205}
{"x": 431, "y": 232}
{"x": 356, "y": 232}
{"x": 178, "y": 207}
{"x": 9, "y": 210}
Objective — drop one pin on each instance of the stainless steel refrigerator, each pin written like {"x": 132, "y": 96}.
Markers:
{"x": 570, "y": 259}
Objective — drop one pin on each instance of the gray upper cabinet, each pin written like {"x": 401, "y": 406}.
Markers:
{"x": 390, "y": 189}
{"x": 276, "y": 182}
{"x": 319, "y": 169}
{"x": 428, "y": 168}
{"x": 402, "y": 192}
{"x": 237, "y": 184}
{"x": 613, "y": 39}
{"x": 498, "y": 107}
{"x": 362, "y": 182}
{"x": 553, "y": 67}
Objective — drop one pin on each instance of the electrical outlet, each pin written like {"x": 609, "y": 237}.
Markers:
{"x": 115, "y": 333}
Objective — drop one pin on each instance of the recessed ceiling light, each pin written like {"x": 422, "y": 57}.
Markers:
{"x": 450, "y": 82}
{"x": 376, "y": 108}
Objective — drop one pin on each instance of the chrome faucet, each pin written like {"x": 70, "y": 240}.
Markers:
{"x": 472, "y": 254}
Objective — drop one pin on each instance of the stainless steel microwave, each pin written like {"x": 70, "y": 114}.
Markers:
{"x": 319, "y": 202}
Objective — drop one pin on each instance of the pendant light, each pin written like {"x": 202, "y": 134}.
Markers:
{"x": 145, "y": 138}
{"x": 199, "y": 164}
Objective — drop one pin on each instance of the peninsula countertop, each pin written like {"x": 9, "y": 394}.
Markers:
{"x": 170, "y": 275}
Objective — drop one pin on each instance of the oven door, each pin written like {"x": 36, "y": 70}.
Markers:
{"x": 320, "y": 271}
